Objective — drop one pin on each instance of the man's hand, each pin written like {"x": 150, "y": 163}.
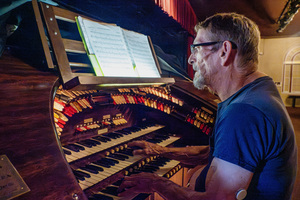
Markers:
{"x": 223, "y": 181}
{"x": 191, "y": 156}
{"x": 138, "y": 183}
{"x": 148, "y": 149}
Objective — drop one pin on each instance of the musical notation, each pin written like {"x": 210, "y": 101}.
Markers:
{"x": 118, "y": 52}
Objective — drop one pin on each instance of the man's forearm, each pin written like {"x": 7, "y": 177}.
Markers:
{"x": 171, "y": 191}
{"x": 192, "y": 155}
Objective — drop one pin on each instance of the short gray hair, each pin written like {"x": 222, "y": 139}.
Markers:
{"x": 236, "y": 28}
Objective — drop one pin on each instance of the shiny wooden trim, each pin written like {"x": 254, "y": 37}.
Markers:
{"x": 57, "y": 43}
{"x": 44, "y": 41}
{"x": 74, "y": 46}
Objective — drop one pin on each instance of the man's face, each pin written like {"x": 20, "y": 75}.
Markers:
{"x": 202, "y": 61}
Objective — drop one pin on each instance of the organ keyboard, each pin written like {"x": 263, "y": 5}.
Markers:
{"x": 94, "y": 135}
{"x": 100, "y": 143}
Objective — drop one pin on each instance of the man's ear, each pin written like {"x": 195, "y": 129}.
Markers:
{"x": 227, "y": 54}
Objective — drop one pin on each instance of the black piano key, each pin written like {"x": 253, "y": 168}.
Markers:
{"x": 155, "y": 141}
{"x": 147, "y": 125}
{"x": 78, "y": 146}
{"x": 78, "y": 176}
{"x": 102, "y": 164}
{"x": 128, "y": 152}
{"x": 94, "y": 142}
{"x": 96, "y": 168}
{"x": 111, "y": 190}
{"x": 74, "y": 147}
{"x": 162, "y": 137}
{"x": 113, "y": 135}
{"x": 124, "y": 132}
{"x": 157, "y": 163}
{"x": 110, "y": 135}
{"x": 136, "y": 171}
{"x": 81, "y": 174}
{"x": 85, "y": 143}
{"x": 149, "y": 166}
{"x": 118, "y": 135}
{"x": 122, "y": 155}
{"x": 141, "y": 196}
{"x": 137, "y": 128}
{"x": 102, "y": 139}
{"x": 118, "y": 183}
{"x": 130, "y": 129}
{"x": 92, "y": 198}
{"x": 81, "y": 178}
{"x": 148, "y": 170}
{"x": 89, "y": 170}
{"x": 110, "y": 160}
{"x": 67, "y": 152}
{"x": 118, "y": 156}
{"x": 165, "y": 159}
{"x": 100, "y": 197}
{"x": 106, "y": 162}
{"x": 144, "y": 125}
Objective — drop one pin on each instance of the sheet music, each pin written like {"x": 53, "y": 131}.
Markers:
{"x": 118, "y": 52}
{"x": 108, "y": 45}
{"x": 141, "y": 53}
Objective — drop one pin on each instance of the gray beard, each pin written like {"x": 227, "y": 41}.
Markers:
{"x": 199, "y": 81}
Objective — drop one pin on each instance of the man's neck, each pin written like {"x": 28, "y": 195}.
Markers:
{"x": 234, "y": 83}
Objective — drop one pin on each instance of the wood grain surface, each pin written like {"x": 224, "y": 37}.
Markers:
{"x": 27, "y": 136}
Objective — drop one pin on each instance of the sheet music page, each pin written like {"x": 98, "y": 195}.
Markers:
{"x": 85, "y": 38}
{"x": 141, "y": 53}
{"x": 108, "y": 44}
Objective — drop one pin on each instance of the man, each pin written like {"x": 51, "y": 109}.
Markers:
{"x": 252, "y": 149}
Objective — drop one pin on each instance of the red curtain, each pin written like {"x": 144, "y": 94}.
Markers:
{"x": 183, "y": 13}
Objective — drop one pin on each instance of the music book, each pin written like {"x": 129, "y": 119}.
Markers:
{"x": 116, "y": 52}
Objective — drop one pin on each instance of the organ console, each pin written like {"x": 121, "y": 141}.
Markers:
{"x": 67, "y": 137}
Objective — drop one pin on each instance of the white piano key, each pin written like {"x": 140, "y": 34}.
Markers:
{"x": 167, "y": 167}
{"x": 115, "y": 197}
{"x": 83, "y": 185}
{"x": 77, "y": 155}
{"x": 170, "y": 140}
{"x": 97, "y": 177}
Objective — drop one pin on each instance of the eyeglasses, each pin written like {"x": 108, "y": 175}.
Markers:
{"x": 193, "y": 46}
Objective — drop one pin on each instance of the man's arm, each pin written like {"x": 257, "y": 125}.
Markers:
{"x": 223, "y": 181}
{"x": 192, "y": 155}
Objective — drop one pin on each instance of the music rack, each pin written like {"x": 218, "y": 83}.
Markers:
{"x": 57, "y": 49}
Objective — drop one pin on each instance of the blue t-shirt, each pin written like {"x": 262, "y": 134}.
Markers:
{"x": 253, "y": 130}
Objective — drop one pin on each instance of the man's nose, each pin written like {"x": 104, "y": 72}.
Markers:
{"x": 191, "y": 59}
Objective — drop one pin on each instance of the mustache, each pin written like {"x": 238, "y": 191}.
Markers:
{"x": 199, "y": 81}
{"x": 195, "y": 67}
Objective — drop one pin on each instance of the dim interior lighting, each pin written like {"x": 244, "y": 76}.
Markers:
{"x": 291, "y": 8}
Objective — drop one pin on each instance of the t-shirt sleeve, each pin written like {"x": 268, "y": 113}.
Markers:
{"x": 241, "y": 136}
